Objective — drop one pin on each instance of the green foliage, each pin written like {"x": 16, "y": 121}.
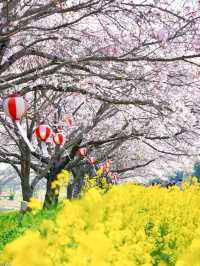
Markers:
{"x": 14, "y": 224}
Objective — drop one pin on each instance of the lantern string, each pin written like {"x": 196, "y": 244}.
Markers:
{"x": 68, "y": 155}
{"x": 24, "y": 136}
{"x": 44, "y": 149}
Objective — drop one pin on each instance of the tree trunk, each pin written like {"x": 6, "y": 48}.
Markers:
{"x": 79, "y": 174}
{"x": 70, "y": 191}
{"x": 27, "y": 191}
{"x": 51, "y": 198}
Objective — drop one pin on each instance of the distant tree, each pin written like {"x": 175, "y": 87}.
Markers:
{"x": 196, "y": 170}
{"x": 177, "y": 178}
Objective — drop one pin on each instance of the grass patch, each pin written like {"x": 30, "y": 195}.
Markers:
{"x": 14, "y": 224}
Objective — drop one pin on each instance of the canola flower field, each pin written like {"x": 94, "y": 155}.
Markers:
{"x": 126, "y": 226}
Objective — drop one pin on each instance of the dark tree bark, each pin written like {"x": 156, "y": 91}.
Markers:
{"x": 70, "y": 188}
{"x": 51, "y": 198}
{"x": 27, "y": 191}
{"x": 79, "y": 174}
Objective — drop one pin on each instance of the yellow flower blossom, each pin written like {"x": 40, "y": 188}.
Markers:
{"x": 35, "y": 204}
{"x": 61, "y": 181}
{"x": 130, "y": 225}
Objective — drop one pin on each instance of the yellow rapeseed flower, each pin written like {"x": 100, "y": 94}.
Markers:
{"x": 35, "y": 204}
{"x": 62, "y": 180}
{"x": 130, "y": 225}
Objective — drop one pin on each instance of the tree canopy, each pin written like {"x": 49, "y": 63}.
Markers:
{"x": 127, "y": 71}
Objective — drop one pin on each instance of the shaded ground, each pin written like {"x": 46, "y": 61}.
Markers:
{"x": 7, "y": 205}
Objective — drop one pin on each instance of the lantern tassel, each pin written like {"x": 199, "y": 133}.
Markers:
{"x": 24, "y": 136}
{"x": 44, "y": 149}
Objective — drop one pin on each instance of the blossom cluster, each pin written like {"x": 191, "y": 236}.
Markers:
{"x": 128, "y": 225}
{"x": 34, "y": 204}
{"x": 62, "y": 180}
{"x": 98, "y": 182}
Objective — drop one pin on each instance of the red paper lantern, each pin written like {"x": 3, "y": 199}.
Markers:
{"x": 69, "y": 120}
{"x": 83, "y": 151}
{"x": 15, "y": 107}
{"x": 93, "y": 159}
{"x": 58, "y": 138}
{"x": 43, "y": 132}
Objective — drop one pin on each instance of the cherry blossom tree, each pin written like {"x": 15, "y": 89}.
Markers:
{"x": 128, "y": 70}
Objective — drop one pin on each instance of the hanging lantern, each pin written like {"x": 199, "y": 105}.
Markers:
{"x": 43, "y": 132}
{"x": 83, "y": 151}
{"x": 15, "y": 107}
{"x": 58, "y": 138}
{"x": 93, "y": 159}
{"x": 69, "y": 120}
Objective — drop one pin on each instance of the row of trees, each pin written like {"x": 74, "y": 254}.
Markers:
{"x": 126, "y": 70}
{"x": 178, "y": 177}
